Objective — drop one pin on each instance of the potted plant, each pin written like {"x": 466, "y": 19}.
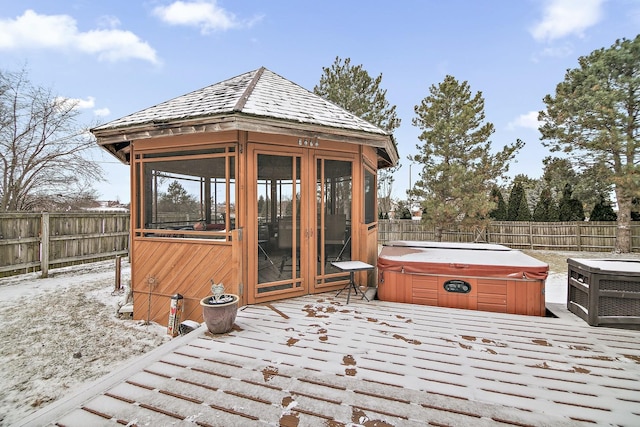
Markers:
{"x": 219, "y": 309}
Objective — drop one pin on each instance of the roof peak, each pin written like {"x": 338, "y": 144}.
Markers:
{"x": 258, "y": 95}
{"x": 249, "y": 89}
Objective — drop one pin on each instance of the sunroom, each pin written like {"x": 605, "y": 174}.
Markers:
{"x": 253, "y": 182}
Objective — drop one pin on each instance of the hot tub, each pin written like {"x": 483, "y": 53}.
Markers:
{"x": 471, "y": 276}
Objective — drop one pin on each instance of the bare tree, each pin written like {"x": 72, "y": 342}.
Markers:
{"x": 43, "y": 151}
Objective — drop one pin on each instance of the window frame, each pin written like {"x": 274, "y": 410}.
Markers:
{"x": 142, "y": 191}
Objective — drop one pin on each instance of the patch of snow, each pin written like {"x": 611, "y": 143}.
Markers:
{"x": 62, "y": 332}
{"x": 555, "y": 288}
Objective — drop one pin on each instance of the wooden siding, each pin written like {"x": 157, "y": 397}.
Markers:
{"x": 161, "y": 269}
{"x": 369, "y": 244}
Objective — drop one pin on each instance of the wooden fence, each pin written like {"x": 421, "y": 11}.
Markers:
{"x": 39, "y": 241}
{"x": 596, "y": 236}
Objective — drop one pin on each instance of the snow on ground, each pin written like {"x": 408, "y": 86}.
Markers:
{"x": 61, "y": 332}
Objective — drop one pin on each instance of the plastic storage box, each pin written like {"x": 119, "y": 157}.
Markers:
{"x": 605, "y": 291}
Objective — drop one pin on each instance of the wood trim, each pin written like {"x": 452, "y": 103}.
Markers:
{"x": 237, "y": 122}
{"x": 249, "y": 89}
{"x": 182, "y": 142}
{"x": 369, "y": 156}
{"x": 240, "y": 241}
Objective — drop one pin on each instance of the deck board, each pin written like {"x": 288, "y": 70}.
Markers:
{"x": 314, "y": 360}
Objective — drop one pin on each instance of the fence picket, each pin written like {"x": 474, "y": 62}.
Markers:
{"x": 87, "y": 236}
{"x": 597, "y": 236}
{"x": 39, "y": 241}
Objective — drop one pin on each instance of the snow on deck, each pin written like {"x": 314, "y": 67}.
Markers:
{"x": 608, "y": 266}
{"x": 314, "y": 360}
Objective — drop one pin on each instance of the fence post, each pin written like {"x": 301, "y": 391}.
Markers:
{"x": 530, "y": 235}
{"x": 578, "y": 236}
{"x": 44, "y": 245}
{"x": 118, "y": 285}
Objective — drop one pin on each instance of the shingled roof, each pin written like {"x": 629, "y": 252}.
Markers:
{"x": 259, "y": 99}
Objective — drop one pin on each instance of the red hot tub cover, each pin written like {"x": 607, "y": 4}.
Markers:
{"x": 460, "y": 259}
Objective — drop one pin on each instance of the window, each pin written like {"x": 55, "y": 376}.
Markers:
{"x": 191, "y": 193}
{"x": 369, "y": 196}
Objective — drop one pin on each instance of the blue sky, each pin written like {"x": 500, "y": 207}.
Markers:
{"x": 120, "y": 56}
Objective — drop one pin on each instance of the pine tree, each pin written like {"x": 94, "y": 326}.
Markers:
{"x": 546, "y": 209}
{"x": 569, "y": 208}
{"x": 352, "y": 88}
{"x": 500, "y": 211}
{"x": 602, "y": 211}
{"x": 518, "y": 210}
{"x": 458, "y": 164}
{"x": 593, "y": 117}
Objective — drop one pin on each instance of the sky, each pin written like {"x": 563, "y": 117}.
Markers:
{"x": 117, "y": 57}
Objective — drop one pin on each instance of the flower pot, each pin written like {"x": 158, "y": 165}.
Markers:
{"x": 219, "y": 315}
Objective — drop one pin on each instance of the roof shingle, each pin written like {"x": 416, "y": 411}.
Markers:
{"x": 260, "y": 93}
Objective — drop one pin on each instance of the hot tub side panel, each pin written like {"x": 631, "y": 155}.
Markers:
{"x": 467, "y": 301}
{"x": 501, "y": 295}
{"x": 395, "y": 288}
{"x": 424, "y": 289}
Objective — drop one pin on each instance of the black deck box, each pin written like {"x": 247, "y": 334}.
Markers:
{"x": 605, "y": 292}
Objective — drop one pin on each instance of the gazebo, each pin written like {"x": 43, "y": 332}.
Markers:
{"x": 253, "y": 182}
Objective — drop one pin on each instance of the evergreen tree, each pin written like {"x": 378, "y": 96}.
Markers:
{"x": 570, "y": 208}
{"x": 546, "y": 209}
{"x": 352, "y": 88}
{"x": 500, "y": 212}
{"x": 557, "y": 173}
{"x": 458, "y": 164}
{"x": 593, "y": 118}
{"x": 587, "y": 185}
{"x": 262, "y": 207}
{"x": 178, "y": 200}
{"x": 402, "y": 210}
{"x": 517, "y": 209}
{"x": 603, "y": 211}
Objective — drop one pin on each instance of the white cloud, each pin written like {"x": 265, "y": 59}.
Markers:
{"x": 77, "y": 103}
{"x": 81, "y": 104}
{"x": 115, "y": 45}
{"x": 102, "y": 112}
{"x": 559, "y": 51}
{"x": 203, "y": 14}
{"x": 567, "y": 17}
{"x": 61, "y": 32}
{"x": 528, "y": 121}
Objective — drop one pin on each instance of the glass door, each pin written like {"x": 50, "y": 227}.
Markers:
{"x": 277, "y": 239}
{"x": 334, "y": 189}
{"x": 303, "y": 219}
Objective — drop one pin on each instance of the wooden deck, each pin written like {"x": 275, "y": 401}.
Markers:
{"x": 315, "y": 361}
